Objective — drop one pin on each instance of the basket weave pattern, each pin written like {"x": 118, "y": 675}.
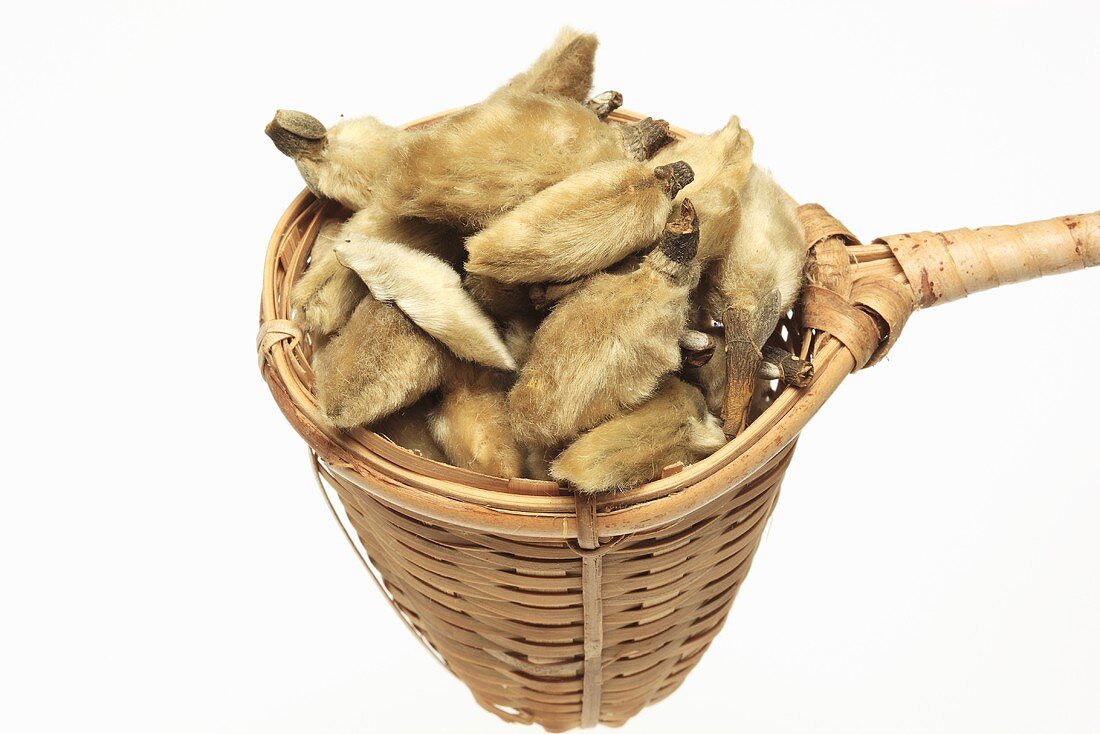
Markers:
{"x": 567, "y": 612}
{"x": 507, "y": 615}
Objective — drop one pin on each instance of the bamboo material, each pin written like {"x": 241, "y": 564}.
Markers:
{"x": 563, "y": 611}
{"x": 944, "y": 266}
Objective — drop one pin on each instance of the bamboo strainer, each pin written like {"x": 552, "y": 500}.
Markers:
{"x": 567, "y": 611}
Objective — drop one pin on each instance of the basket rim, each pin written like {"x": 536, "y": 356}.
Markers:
{"x": 466, "y": 499}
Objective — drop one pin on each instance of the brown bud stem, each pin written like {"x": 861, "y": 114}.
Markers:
{"x": 643, "y": 139}
{"x": 742, "y": 358}
{"x": 604, "y": 103}
{"x": 675, "y": 176}
{"x": 681, "y": 239}
{"x": 746, "y": 331}
{"x": 779, "y": 364}
{"x": 297, "y": 134}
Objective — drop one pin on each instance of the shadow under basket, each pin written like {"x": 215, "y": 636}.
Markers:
{"x": 566, "y": 611}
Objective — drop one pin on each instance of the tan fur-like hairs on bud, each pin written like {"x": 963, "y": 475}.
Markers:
{"x": 378, "y": 363}
{"x": 471, "y": 422}
{"x": 430, "y": 292}
{"x": 672, "y": 426}
{"x": 587, "y": 222}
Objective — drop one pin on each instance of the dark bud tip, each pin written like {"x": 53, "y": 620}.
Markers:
{"x": 654, "y": 135}
{"x": 646, "y": 137}
{"x": 802, "y": 373}
{"x": 681, "y": 239}
{"x": 604, "y": 103}
{"x": 675, "y": 176}
{"x": 296, "y": 134}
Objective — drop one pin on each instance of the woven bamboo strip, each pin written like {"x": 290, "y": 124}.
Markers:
{"x": 588, "y": 540}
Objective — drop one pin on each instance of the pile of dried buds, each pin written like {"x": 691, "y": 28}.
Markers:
{"x": 527, "y": 288}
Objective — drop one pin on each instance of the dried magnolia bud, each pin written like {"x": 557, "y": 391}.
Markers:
{"x": 471, "y": 422}
{"x": 466, "y": 169}
{"x": 343, "y": 163}
{"x": 486, "y": 159}
{"x": 675, "y": 425}
{"x": 408, "y": 428}
{"x": 766, "y": 254}
{"x": 721, "y": 162}
{"x": 563, "y": 70}
{"x": 430, "y": 292}
{"x": 753, "y": 284}
{"x": 579, "y": 226}
{"x": 378, "y": 363}
{"x": 326, "y": 294}
{"x": 604, "y": 348}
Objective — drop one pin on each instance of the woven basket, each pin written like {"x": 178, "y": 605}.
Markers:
{"x": 565, "y": 611}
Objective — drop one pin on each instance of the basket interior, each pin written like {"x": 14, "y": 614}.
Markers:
{"x": 506, "y": 504}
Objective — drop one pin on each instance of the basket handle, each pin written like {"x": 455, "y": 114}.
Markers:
{"x": 863, "y": 295}
{"x": 945, "y": 266}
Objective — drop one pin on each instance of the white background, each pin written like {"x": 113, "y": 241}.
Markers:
{"x": 167, "y": 563}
